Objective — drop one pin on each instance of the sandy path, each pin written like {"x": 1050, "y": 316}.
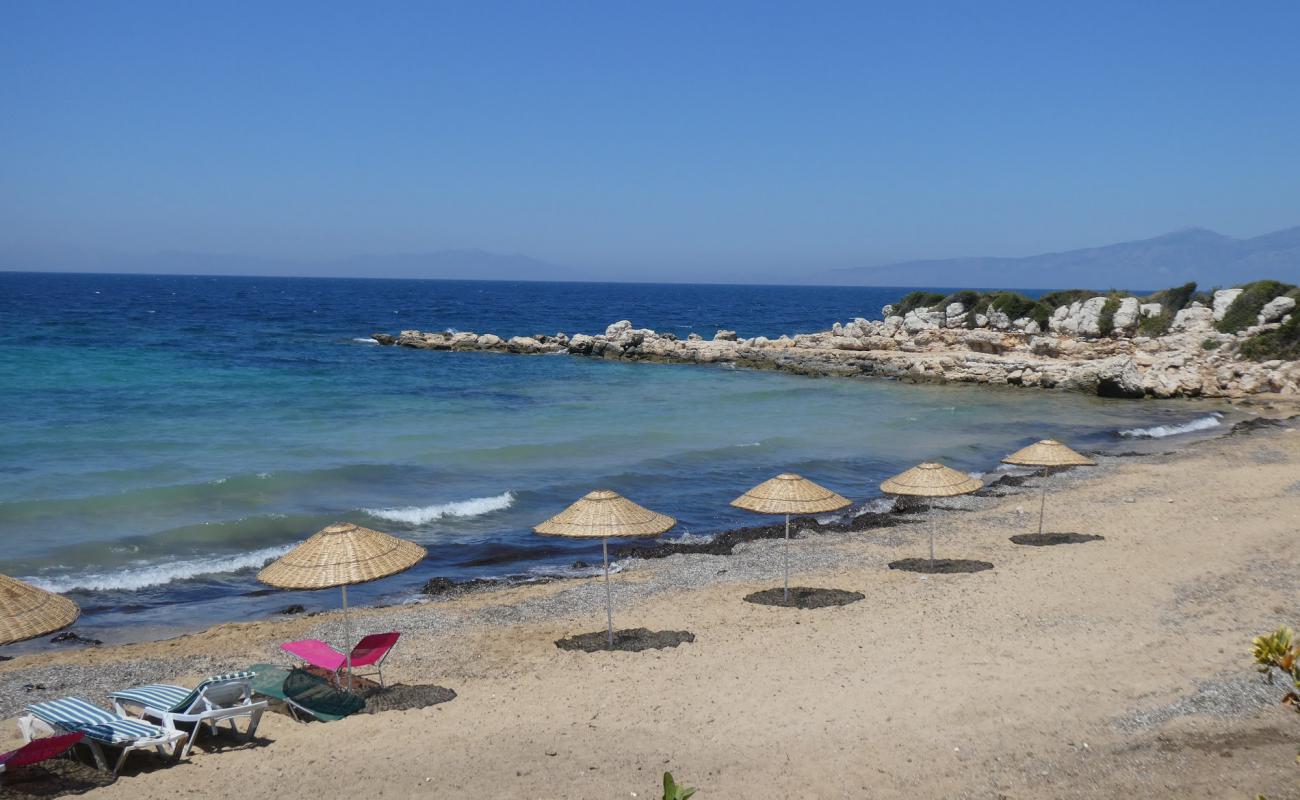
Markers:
{"x": 1066, "y": 671}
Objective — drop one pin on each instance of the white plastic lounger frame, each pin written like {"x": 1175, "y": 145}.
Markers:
{"x": 102, "y": 729}
{"x": 224, "y": 698}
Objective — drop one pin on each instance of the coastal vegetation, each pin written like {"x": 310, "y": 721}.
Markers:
{"x": 1245, "y": 309}
{"x": 1278, "y": 652}
{"x": 1171, "y": 302}
{"x": 1282, "y": 344}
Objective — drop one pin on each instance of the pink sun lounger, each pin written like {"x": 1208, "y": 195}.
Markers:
{"x": 38, "y": 750}
{"x": 369, "y": 652}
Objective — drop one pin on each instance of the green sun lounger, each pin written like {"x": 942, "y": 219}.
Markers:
{"x": 304, "y": 692}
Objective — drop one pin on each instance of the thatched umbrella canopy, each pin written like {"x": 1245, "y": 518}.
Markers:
{"x": 788, "y": 494}
{"x": 603, "y": 515}
{"x": 28, "y": 611}
{"x": 1047, "y": 453}
{"x": 342, "y": 555}
{"x": 931, "y": 480}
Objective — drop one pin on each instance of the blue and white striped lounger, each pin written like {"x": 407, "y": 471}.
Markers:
{"x": 102, "y": 728}
{"x": 219, "y": 698}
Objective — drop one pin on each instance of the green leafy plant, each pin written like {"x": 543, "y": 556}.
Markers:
{"x": 1211, "y": 344}
{"x": 1279, "y": 652}
{"x": 674, "y": 792}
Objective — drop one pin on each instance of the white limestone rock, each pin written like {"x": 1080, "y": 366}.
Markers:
{"x": 1126, "y": 316}
{"x": 1089, "y": 319}
{"x": 1276, "y": 309}
{"x": 1196, "y": 319}
{"x": 1222, "y": 300}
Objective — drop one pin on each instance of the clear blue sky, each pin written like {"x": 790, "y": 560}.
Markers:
{"x": 630, "y": 136}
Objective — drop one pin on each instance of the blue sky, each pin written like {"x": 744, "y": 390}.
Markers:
{"x": 689, "y": 137}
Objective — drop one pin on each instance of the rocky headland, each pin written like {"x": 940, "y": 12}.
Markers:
{"x": 1175, "y": 343}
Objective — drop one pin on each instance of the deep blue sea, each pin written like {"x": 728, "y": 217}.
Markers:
{"x": 164, "y": 436}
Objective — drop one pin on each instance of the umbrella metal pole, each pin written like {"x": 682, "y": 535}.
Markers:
{"x": 609, "y": 600}
{"x": 787, "y": 559}
{"x": 347, "y": 637}
{"x": 930, "y": 525}
{"x": 1042, "y": 506}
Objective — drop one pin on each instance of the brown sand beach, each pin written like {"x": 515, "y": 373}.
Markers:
{"x": 1099, "y": 668}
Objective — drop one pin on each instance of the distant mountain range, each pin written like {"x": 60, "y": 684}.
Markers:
{"x": 444, "y": 264}
{"x": 1195, "y": 254}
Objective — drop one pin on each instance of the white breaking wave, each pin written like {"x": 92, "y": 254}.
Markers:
{"x": 879, "y": 505}
{"x": 364, "y": 340}
{"x": 590, "y": 571}
{"x": 420, "y": 515}
{"x": 690, "y": 538}
{"x": 157, "y": 574}
{"x": 1161, "y": 431}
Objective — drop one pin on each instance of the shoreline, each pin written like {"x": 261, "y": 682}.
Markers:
{"x": 862, "y": 516}
{"x": 865, "y": 514}
{"x": 497, "y": 640}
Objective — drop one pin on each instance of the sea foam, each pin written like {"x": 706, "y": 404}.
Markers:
{"x": 420, "y": 515}
{"x": 143, "y": 576}
{"x": 1161, "y": 431}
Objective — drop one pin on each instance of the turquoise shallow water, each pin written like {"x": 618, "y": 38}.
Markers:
{"x": 163, "y": 437}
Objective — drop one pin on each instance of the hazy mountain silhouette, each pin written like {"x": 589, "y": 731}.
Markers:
{"x": 1195, "y": 254}
{"x": 449, "y": 264}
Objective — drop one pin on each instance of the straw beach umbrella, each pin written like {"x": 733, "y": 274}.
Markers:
{"x": 603, "y": 515}
{"x": 342, "y": 555}
{"x": 1047, "y": 453}
{"x": 930, "y": 480}
{"x": 788, "y": 494}
{"x": 27, "y": 611}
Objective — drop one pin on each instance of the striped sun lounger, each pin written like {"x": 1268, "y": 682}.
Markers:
{"x": 222, "y": 698}
{"x": 102, "y": 729}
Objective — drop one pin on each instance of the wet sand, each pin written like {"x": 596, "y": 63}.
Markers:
{"x": 1118, "y": 667}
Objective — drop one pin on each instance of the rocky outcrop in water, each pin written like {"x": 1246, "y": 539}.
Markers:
{"x": 951, "y": 344}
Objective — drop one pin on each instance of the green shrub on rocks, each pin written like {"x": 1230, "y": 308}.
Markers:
{"x": 1244, "y": 311}
{"x": 1175, "y": 299}
{"x": 1172, "y": 301}
{"x": 1106, "y": 322}
{"x": 1211, "y": 344}
{"x": 968, "y": 298}
{"x": 1283, "y": 343}
{"x": 1065, "y": 297}
{"x": 914, "y": 300}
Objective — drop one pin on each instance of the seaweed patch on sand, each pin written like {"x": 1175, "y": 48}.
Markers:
{"x": 632, "y": 640}
{"x": 804, "y": 597}
{"x": 57, "y": 777}
{"x": 940, "y": 566}
{"x": 404, "y": 698}
{"x": 1047, "y": 539}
